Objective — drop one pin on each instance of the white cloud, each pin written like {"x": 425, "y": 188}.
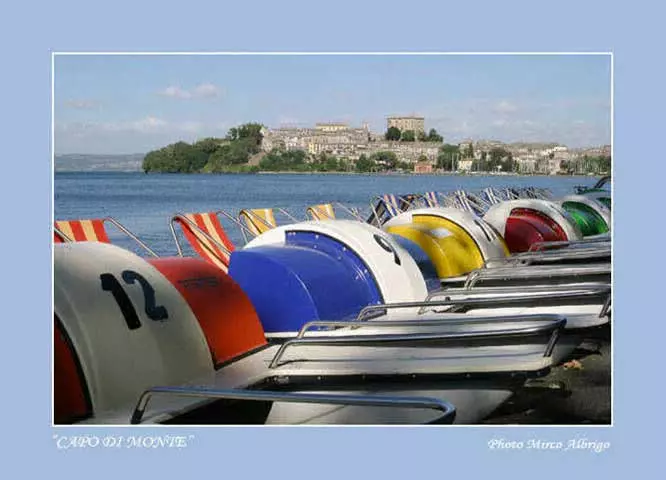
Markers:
{"x": 202, "y": 91}
{"x": 207, "y": 90}
{"x": 82, "y": 104}
{"x": 175, "y": 92}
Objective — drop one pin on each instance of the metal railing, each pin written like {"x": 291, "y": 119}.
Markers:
{"x": 591, "y": 242}
{"x": 447, "y": 409}
{"x": 553, "y": 324}
{"x": 254, "y": 217}
{"x": 181, "y": 217}
{"x": 534, "y": 272}
{"x": 372, "y": 311}
{"x": 120, "y": 227}
{"x": 62, "y": 236}
{"x": 522, "y": 291}
{"x": 429, "y": 322}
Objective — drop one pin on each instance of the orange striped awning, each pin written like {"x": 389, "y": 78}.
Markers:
{"x": 217, "y": 252}
{"x": 91, "y": 230}
{"x": 323, "y": 211}
{"x": 258, "y": 220}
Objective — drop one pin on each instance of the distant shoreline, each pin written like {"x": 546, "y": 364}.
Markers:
{"x": 379, "y": 174}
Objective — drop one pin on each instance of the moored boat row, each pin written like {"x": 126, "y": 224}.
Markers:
{"x": 423, "y": 314}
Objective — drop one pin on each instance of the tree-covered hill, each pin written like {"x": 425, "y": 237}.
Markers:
{"x": 229, "y": 154}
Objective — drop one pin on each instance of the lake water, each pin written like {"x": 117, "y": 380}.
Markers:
{"x": 144, "y": 203}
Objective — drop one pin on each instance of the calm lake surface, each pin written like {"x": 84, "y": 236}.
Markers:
{"x": 145, "y": 203}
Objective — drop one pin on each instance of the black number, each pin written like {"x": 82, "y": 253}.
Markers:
{"x": 153, "y": 311}
{"x": 110, "y": 284}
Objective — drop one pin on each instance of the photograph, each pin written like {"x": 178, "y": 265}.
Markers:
{"x": 352, "y": 239}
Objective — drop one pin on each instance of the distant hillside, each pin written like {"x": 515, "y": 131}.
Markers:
{"x": 99, "y": 163}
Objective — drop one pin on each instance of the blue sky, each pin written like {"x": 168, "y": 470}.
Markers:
{"x": 132, "y": 104}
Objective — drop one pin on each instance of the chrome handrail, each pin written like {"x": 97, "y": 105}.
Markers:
{"x": 446, "y": 408}
{"x": 430, "y": 322}
{"x": 182, "y": 217}
{"x": 62, "y": 236}
{"x": 236, "y": 222}
{"x": 289, "y": 215}
{"x": 598, "y": 288}
{"x": 254, "y": 216}
{"x": 566, "y": 243}
{"x": 469, "y": 302}
{"x": 383, "y": 340}
{"x": 116, "y": 224}
{"x": 552, "y": 256}
{"x": 353, "y": 211}
{"x": 535, "y": 272}
{"x": 120, "y": 227}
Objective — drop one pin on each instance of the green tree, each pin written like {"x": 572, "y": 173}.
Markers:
{"x": 208, "y": 145}
{"x": 433, "y": 136}
{"x": 404, "y": 165}
{"x": 385, "y": 160}
{"x": 250, "y": 132}
{"x": 235, "y": 153}
{"x": 447, "y": 156}
{"x": 422, "y": 137}
{"x": 499, "y": 157}
{"x": 408, "y": 136}
{"x": 178, "y": 157}
{"x": 291, "y": 160}
{"x": 393, "y": 133}
{"x": 365, "y": 164}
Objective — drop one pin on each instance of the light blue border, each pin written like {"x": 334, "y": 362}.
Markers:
{"x": 30, "y": 32}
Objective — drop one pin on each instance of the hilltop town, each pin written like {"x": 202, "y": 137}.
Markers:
{"x": 423, "y": 152}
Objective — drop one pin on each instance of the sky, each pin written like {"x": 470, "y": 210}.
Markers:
{"x": 119, "y": 104}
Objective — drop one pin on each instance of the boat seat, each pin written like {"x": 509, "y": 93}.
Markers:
{"x": 206, "y": 236}
{"x": 90, "y": 230}
{"x": 258, "y": 220}
{"x": 430, "y": 199}
{"x": 322, "y": 211}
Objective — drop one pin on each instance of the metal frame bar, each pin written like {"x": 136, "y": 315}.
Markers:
{"x": 541, "y": 271}
{"x": 552, "y": 290}
{"x": 447, "y": 409}
{"x": 566, "y": 243}
{"x": 254, "y": 216}
{"x": 236, "y": 222}
{"x": 289, "y": 215}
{"x": 369, "y": 311}
{"x": 552, "y": 256}
{"x": 433, "y": 322}
{"x": 605, "y": 310}
{"x": 62, "y": 236}
{"x": 426, "y": 202}
{"x": 182, "y": 217}
{"x": 353, "y": 211}
{"x": 558, "y": 322}
{"x": 120, "y": 227}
